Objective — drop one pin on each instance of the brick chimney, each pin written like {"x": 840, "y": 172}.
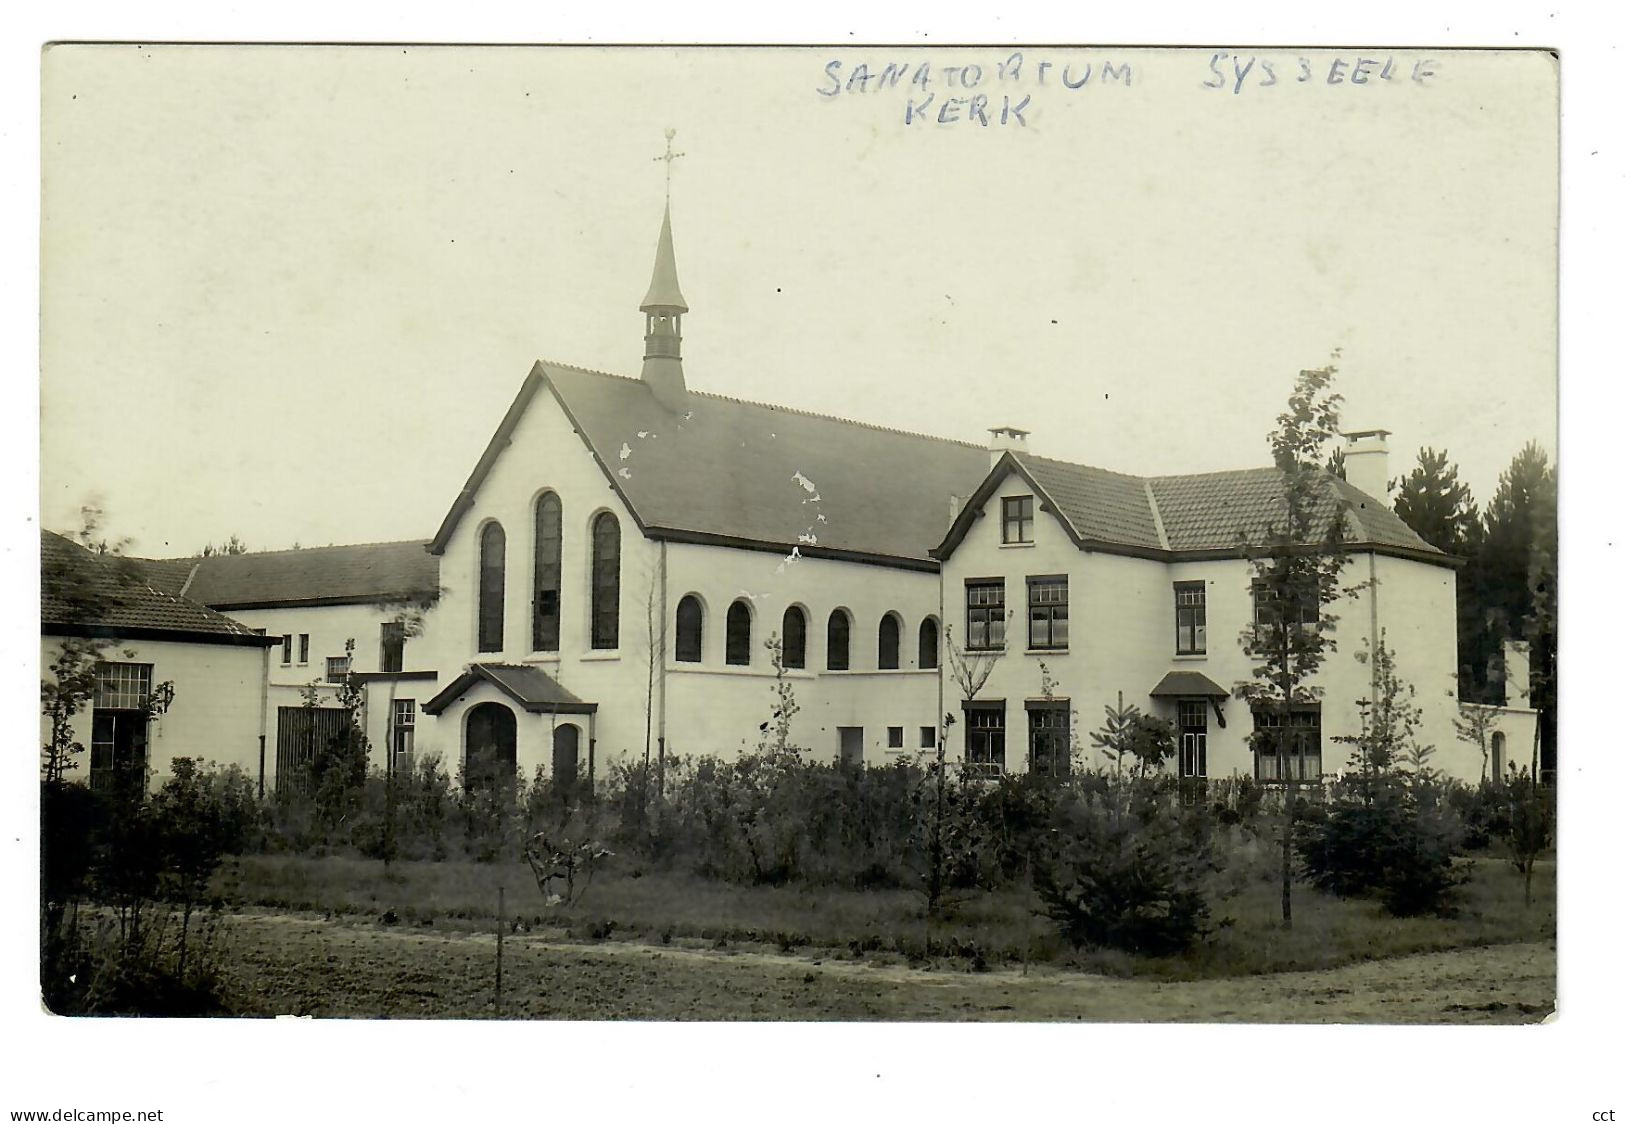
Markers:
{"x": 1365, "y": 462}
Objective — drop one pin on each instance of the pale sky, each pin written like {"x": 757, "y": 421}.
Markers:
{"x": 289, "y": 292}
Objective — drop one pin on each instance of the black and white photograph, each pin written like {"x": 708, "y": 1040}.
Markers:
{"x": 844, "y": 534}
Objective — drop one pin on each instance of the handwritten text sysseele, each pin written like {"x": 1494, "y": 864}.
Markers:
{"x": 1009, "y": 91}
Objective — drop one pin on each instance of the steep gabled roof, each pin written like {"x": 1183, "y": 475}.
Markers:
{"x": 85, "y": 594}
{"x": 753, "y": 475}
{"x": 757, "y": 476}
{"x": 1192, "y": 516}
{"x": 365, "y": 573}
{"x": 1101, "y": 506}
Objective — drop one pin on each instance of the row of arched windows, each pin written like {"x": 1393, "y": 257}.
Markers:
{"x": 547, "y": 580}
{"x": 605, "y": 603}
{"x": 793, "y": 637}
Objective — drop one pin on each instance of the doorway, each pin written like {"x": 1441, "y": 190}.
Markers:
{"x": 493, "y": 756}
{"x": 566, "y": 756}
{"x": 851, "y": 743}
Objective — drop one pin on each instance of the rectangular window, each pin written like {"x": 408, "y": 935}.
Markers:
{"x": 1018, "y": 519}
{"x": 984, "y": 615}
{"x": 984, "y": 738}
{"x": 392, "y": 646}
{"x": 1267, "y": 613}
{"x": 1049, "y": 739}
{"x": 118, "y": 733}
{"x": 894, "y": 737}
{"x": 1286, "y": 746}
{"x": 123, "y": 686}
{"x": 1046, "y": 613}
{"x": 405, "y": 729}
{"x": 1190, "y": 618}
{"x": 928, "y": 737}
{"x": 338, "y": 668}
{"x": 304, "y": 648}
{"x": 287, "y": 648}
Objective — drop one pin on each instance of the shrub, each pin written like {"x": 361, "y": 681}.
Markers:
{"x": 1384, "y": 837}
{"x": 1127, "y": 871}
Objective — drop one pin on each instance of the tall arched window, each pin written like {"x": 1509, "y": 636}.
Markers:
{"x": 738, "y": 645}
{"x": 544, "y": 625}
{"x": 493, "y": 576}
{"x": 795, "y": 637}
{"x": 606, "y": 581}
{"x": 928, "y": 642}
{"x": 840, "y": 639}
{"x": 690, "y": 629}
{"x": 888, "y": 656}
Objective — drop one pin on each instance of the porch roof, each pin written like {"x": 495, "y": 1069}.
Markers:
{"x": 530, "y": 687}
{"x": 1188, "y": 685}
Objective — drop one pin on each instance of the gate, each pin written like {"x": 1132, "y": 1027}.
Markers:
{"x": 302, "y": 733}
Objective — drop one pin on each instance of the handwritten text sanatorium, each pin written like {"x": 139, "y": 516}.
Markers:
{"x": 1002, "y": 91}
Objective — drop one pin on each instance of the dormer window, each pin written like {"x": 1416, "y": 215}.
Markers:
{"x": 1018, "y": 519}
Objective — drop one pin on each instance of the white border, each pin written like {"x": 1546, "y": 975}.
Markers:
{"x": 332, "y": 1071}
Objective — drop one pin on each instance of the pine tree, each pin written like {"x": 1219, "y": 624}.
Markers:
{"x": 1435, "y": 504}
{"x": 1512, "y": 586}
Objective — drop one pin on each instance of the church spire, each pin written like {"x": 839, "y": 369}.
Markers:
{"x": 663, "y": 309}
{"x": 663, "y": 291}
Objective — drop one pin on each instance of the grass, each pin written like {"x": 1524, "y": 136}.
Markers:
{"x": 1000, "y": 927}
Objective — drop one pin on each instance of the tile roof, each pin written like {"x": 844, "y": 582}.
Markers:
{"x": 767, "y": 474}
{"x": 324, "y": 575}
{"x": 527, "y": 685}
{"x": 1213, "y": 510}
{"x": 87, "y": 594}
{"x": 747, "y": 473}
{"x": 167, "y": 575}
{"x": 1101, "y": 506}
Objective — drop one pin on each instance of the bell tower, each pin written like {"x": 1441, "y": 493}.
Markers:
{"x": 663, "y": 308}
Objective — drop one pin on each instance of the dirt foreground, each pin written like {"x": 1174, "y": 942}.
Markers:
{"x": 284, "y": 964}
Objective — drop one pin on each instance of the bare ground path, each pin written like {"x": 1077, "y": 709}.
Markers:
{"x": 287, "y": 964}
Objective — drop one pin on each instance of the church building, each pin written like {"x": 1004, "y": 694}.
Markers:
{"x": 633, "y": 563}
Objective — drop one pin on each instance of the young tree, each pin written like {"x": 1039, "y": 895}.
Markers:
{"x": 775, "y": 740}
{"x": 1130, "y": 732}
{"x": 1530, "y": 828}
{"x": 656, "y": 638}
{"x": 1475, "y": 725}
{"x": 1296, "y": 573}
{"x": 1389, "y": 721}
{"x": 969, "y": 671}
{"x": 408, "y": 619}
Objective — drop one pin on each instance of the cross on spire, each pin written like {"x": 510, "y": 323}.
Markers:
{"x": 668, "y": 158}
